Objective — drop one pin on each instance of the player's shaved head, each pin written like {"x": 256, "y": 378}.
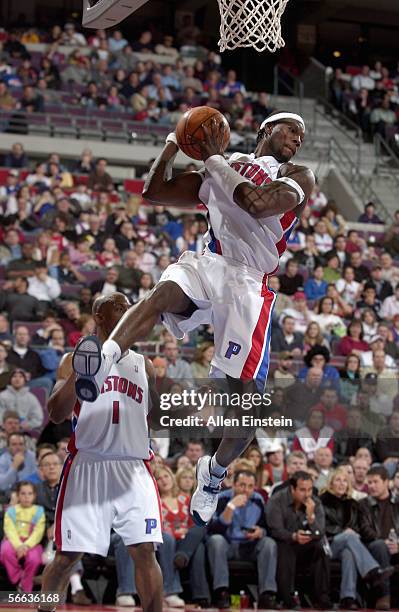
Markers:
{"x": 108, "y": 310}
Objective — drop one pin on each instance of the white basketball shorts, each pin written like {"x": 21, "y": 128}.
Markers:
{"x": 236, "y": 300}
{"x": 98, "y": 494}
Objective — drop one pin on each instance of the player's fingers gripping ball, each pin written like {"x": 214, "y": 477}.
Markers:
{"x": 202, "y": 129}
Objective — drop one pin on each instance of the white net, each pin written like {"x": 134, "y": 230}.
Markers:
{"x": 251, "y": 23}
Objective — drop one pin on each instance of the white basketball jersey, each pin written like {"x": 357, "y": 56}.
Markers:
{"x": 115, "y": 425}
{"x": 233, "y": 232}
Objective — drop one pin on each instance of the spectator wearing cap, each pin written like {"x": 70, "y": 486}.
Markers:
{"x": 369, "y": 216}
{"x": 16, "y": 462}
{"x": 299, "y": 311}
{"x": 286, "y": 338}
{"x": 318, "y": 357}
{"x": 314, "y": 434}
{"x": 282, "y": 375}
{"x": 42, "y": 286}
{"x": 99, "y": 179}
{"x": 377, "y": 343}
{"x": 352, "y": 343}
{"x": 17, "y": 397}
{"x": 275, "y": 468}
{"x": 291, "y": 280}
{"x": 316, "y": 287}
{"x": 390, "y": 306}
{"x": 18, "y": 303}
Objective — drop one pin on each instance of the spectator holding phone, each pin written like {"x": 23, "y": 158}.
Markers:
{"x": 238, "y": 531}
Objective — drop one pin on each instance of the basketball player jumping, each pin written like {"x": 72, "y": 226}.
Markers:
{"x": 253, "y": 202}
{"x": 106, "y": 481}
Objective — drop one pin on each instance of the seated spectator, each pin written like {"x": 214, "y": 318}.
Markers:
{"x": 181, "y": 541}
{"x": 5, "y": 368}
{"x": 390, "y": 306}
{"x": 323, "y": 461}
{"x": 99, "y": 179}
{"x": 86, "y": 325}
{"x": 291, "y": 281}
{"x": 349, "y": 440}
{"x": 377, "y": 343}
{"x": 383, "y": 117}
{"x": 309, "y": 257}
{"x": 335, "y": 414}
{"x": 108, "y": 285}
{"x": 24, "y": 266}
{"x": 24, "y": 526}
{"x": 291, "y": 514}
{"x": 287, "y": 339}
{"x": 386, "y": 378}
{"x": 72, "y": 37}
{"x": 42, "y": 287}
{"x": 238, "y": 530}
{"x": 386, "y": 445}
{"x": 313, "y": 337}
{"x": 314, "y": 435}
{"x": 7, "y": 101}
{"x": 372, "y": 402}
{"x": 315, "y": 287}
{"x": 342, "y": 526}
{"x": 17, "y": 157}
{"x": 11, "y": 424}
{"x": 146, "y": 261}
{"x": 335, "y": 223}
{"x": 185, "y": 481}
{"x": 378, "y": 518}
{"x": 201, "y": 363}
{"x": 267, "y": 437}
{"x": 167, "y": 48}
{"x": 24, "y": 358}
{"x": 350, "y": 377}
{"x": 347, "y": 287}
{"x": 16, "y": 463}
{"x": 144, "y": 43}
{"x": 177, "y": 368}
{"x": 11, "y": 248}
{"x": 18, "y": 398}
{"x": 319, "y": 357}
{"x": 67, "y": 273}
{"x": 20, "y": 305}
{"x": 52, "y": 354}
{"x": 323, "y": 240}
{"x": 282, "y": 376}
{"x": 369, "y": 216}
{"x": 146, "y": 285}
{"x": 254, "y": 455}
{"x": 193, "y": 451}
{"x": 296, "y": 462}
{"x": 362, "y": 273}
{"x": 369, "y": 324}
{"x": 390, "y": 346}
{"x": 329, "y": 323}
{"x": 352, "y": 343}
{"x": 304, "y": 394}
{"x": 5, "y": 335}
{"x": 299, "y": 311}
{"x": 331, "y": 272}
{"x": 71, "y": 323}
{"x": 274, "y": 468}
{"x": 369, "y": 300}
{"x": 360, "y": 469}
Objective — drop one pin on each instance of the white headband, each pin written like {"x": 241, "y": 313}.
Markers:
{"x": 280, "y": 117}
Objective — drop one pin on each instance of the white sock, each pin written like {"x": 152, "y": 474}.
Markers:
{"x": 76, "y": 583}
{"x": 112, "y": 349}
{"x": 216, "y": 469}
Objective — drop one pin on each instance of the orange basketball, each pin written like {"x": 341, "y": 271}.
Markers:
{"x": 190, "y": 126}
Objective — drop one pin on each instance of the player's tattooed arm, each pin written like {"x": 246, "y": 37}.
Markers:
{"x": 180, "y": 191}
{"x": 277, "y": 197}
{"x": 63, "y": 396}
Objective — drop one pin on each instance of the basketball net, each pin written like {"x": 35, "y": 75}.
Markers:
{"x": 251, "y": 23}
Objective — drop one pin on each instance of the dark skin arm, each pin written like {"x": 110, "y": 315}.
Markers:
{"x": 271, "y": 199}
{"x": 155, "y": 412}
{"x": 63, "y": 396}
{"x": 181, "y": 191}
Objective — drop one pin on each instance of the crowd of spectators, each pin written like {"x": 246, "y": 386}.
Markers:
{"x": 323, "y": 490}
{"x": 103, "y": 72}
{"x": 370, "y": 97}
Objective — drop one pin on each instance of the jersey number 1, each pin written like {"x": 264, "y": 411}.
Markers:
{"x": 115, "y": 413}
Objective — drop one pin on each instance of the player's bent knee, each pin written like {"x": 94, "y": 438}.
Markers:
{"x": 143, "y": 554}
{"x": 65, "y": 560}
{"x": 166, "y": 297}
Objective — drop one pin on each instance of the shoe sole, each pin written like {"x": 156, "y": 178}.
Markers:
{"x": 86, "y": 362}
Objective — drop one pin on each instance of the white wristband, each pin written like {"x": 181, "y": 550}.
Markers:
{"x": 172, "y": 138}
{"x": 224, "y": 176}
{"x": 294, "y": 185}
{"x": 231, "y": 505}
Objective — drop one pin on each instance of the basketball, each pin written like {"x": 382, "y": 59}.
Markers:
{"x": 190, "y": 126}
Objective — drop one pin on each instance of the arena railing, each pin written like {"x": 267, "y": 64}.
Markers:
{"x": 384, "y": 151}
{"x": 287, "y": 82}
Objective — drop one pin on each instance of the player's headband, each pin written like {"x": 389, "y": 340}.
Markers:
{"x": 280, "y": 117}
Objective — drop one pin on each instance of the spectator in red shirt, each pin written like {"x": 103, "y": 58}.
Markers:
{"x": 353, "y": 342}
{"x": 335, "y": 414}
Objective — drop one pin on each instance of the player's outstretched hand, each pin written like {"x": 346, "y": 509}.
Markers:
{"x": 214, "y": 139}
